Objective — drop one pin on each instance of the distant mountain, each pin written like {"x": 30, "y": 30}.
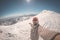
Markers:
{"x": 14, "y": 19}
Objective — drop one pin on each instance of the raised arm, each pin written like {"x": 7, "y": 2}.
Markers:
{"x": 31, "y": 25}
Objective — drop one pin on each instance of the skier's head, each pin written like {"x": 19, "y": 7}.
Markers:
{"x": 35, "y": 20}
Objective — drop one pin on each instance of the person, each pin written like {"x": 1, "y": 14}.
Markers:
{"x": 56, "y": 37}
{"x": 37, "y": 30}
{"x": 34, "y": 30}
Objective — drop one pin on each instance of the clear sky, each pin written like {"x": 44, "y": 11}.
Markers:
{"x": 8, "y": 7}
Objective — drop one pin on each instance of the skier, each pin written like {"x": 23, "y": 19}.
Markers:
{"x": 34, "y": 30}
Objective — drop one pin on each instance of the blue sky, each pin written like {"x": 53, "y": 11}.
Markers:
{"x": 9, "y": 7}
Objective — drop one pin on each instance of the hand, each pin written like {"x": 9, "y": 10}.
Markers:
{"x": 31, "y": 24}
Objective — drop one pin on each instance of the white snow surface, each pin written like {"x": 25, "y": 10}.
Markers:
{"x": 21, "y": 30}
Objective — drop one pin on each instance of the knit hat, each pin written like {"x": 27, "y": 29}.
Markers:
{"x": 35, "y": 19}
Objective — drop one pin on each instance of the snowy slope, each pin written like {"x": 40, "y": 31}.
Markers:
{"x": 21, "y": 30}
{"x": 50, "y": 19}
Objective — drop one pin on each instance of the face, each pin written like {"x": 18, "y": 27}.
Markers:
{"x": 35, "y": 22}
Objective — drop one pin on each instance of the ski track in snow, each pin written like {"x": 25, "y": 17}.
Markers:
{"x": 21, "y": 30}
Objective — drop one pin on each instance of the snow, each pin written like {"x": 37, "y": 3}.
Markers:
{"x": 21, "y": 30}
{"x": 50, "y": 20}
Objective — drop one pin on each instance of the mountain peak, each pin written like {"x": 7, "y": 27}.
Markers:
{"x": 48, "y": 12}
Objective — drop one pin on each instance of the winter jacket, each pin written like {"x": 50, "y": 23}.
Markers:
{"x": 34, "y": 32}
